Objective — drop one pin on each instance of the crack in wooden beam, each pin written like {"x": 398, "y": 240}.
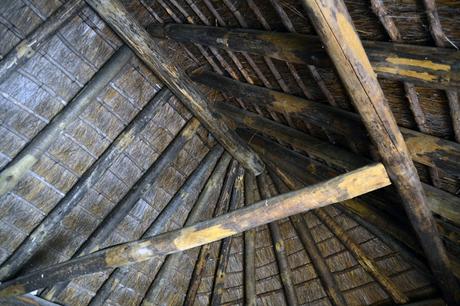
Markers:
{"x": 335, "y": 27}
{"x": 156, "y": 57}
{"x": 343, "y": 187}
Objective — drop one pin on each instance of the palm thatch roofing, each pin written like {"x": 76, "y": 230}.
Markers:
{"x": 97, "y": 149}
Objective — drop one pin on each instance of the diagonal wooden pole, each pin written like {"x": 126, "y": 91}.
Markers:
{"x": 156, "y": 56}
{"x": 335, "y": 27}
{"x": 341, "y": 188}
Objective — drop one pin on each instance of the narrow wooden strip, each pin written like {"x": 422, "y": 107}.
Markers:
{"x": 341, "y": 188}
{"x": 156, "y": 56}
{"x": 225, "y": 247}
{"x": 251, "y": 196}
{"x": 428, "y": 150}
{"x": 35, "y": 40}
{"x": 31, "y": 153}
{"x": 195, "y": 181}
{"x": 301, "y": 227}
{"x": 427, "y": 66}
{"x": 267, "y": 190}
{"x": 335, "y": 27}
{"x": 48, "y": 226}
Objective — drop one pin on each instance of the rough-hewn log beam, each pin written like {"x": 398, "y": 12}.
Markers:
{"x": 31, "y": 153}
{"x": 335, "y": 27}
{"x": 425, "y": 149}
{"x": 141, "y": 187}
{"x": 27, "y": 300}
{"x": 441, "y": 202}
{"x": 158, "y": 58}
{"x": 350, "y": 185}
{"x": 53, "y": 220}
{"x": 427, "y": 66}
{"x": 267, "y": 191}
{"x": 194, "y": 182}
{"x": 35, "y": 40}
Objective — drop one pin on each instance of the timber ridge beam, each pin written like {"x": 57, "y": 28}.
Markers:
{"x": 343, "y": 187}
{"x": 336, "y": 30}
{"x": 155, "y": 55}
{"x": 426, "y": 66}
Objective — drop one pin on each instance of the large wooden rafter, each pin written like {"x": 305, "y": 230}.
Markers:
{"x": 335, "y": 27}
{"x": 156, "y": 57}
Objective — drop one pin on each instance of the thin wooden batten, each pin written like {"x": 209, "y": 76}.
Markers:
{"x": 156, "y": 57}
{"x": 340, "y": 188}
{"x": 335, "y": 27}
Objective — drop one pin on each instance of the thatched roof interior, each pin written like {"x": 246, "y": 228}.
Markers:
{"x": 110, "y": 152}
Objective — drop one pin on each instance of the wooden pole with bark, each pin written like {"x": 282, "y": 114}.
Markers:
{"x": 343, "y": 187}
{"x": 428, "y": 150}
{"x": 158, "y": 58}
{"x": 335, "y": 27}
{"x": 31, "y": 153}
{"x": 48, "y": 226}
{"x": 426, "y": 66}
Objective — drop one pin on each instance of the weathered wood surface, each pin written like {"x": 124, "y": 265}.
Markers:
{"x": 194, "y": 182}
{"x": 53, "y": 220}
{"x": 29, "y": 155}
{"x": 35, "y": 40}
{"x": 350, "y": 185}
{"x": 326, "y": 277}
{"x": 441, "y": 202}
{"x": 427, "y": 66}
{"x": 155, "y": 295}
{"x": 251, "y": 193}
{"x": 157, "y": 57}
{"x": 140, "y": 188}
{"x": 267, "y": 190}
{"x": 313, "y": 172}
{"x": 27, "y": 300}
{"x": 225, "y": 247}
{"x": 335, "y": 27}
{"x": 428, "y": 150}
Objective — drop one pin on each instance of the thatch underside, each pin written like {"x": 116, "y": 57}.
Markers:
{"x": 111, "y": 154}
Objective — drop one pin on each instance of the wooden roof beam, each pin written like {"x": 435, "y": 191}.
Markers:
{"x": 343, "y": 187}
{"x": 426, "y": 66}
{"x": 428, "y": 150}
{"x": 441, "y": 202}
{"x": 158, "y": 58}
{"x": 335, "y": 27}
